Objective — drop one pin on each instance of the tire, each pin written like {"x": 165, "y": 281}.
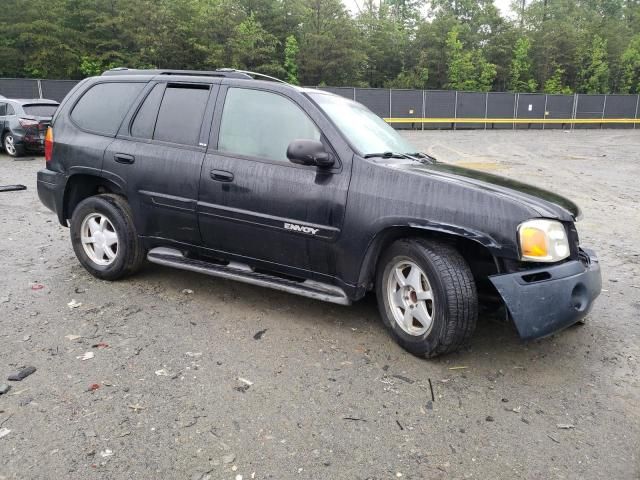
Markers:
{"x": 121, "y": 260}
{"x": 10, "y": 147}
{"x": 435, "y": 326}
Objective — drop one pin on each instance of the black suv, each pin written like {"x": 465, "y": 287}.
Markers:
{"x": 23, "y": 124}
{"x": 310, "y": 193}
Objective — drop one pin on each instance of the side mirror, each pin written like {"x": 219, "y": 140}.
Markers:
{"x": 309, "y": 152}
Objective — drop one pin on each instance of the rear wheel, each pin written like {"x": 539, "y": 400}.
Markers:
{"x": 104, "y": 237}
{"x": 10, "y": 147}
{"x": 426, "y": 296}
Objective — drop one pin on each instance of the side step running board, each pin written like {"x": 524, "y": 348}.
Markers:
{"x": 243, "y": 273}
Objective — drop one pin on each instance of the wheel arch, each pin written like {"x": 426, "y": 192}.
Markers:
{"x": 475, "y": 248}
{"x": 80, "y": 186}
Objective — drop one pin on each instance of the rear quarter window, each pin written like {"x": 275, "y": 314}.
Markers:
{"x": 102, "y": 108}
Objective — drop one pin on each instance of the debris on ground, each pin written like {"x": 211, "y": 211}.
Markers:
{"x": 93, "y": 387}
{"x": 565, "y": 426}
{"x": 100, "y": 345}
{"x": 12, "y": 188}
{"x": 72, "y": 338}
{"x": 106, "y": 453}
{"x": 245, "y": 381}
{"x": 4, "y": 388}
{"x": 259, "y": 334}
{"x": 21, "y": 374}
{"x": 459, "y": 367}
{"x": 4, "y": 432}
{"x": 187, "y": 291}
{"x": 73, "y": 304}
{"x": 490, "y": 418}
{"x": 137, "y": 407}
{"x": 37, "y": 286}
{"x": 193, "y": 354}
{"x": 86, "y": 356}
{"x": 229, "y": 458}
{"x": 163, "y": 372}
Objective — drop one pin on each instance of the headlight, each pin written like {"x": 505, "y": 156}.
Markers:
{"x": 543, "y": 241}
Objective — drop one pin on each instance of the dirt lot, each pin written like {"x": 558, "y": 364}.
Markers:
{"x": 233, "y": 381}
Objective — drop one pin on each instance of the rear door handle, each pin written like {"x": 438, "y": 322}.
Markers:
{"x": 221, "y": 176}
{"x": 124, "y": 158}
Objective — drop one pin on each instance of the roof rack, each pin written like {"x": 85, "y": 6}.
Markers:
{"x": 220, "y": 72}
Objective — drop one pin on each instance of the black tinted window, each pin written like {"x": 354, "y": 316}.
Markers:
{"x": 262, "y": 124}
{"x": 40, "y": 110}
{"x": 3, "y": 109}
{"x": 180, "y": 116}
{"x": 103, "y": 107}
{"x": 145, "y": 120}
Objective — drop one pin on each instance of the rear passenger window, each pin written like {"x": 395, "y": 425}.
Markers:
{"x": 181, "y": 112}
{"x": 262, "y": 124}
{"x": 103, "y": 107}
{"x": 3, "y": 109}
{"x": 10, "y": 110}
{"x": 145, "y": 120}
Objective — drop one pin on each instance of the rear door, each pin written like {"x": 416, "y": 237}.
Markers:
{"x": 158, "y": 153}
{"x": 253, "y": 201}
{"x": 3, "y": 113}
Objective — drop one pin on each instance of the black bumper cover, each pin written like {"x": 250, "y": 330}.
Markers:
{"x": 50, "y": 190}
{"x": 546, "y": 300}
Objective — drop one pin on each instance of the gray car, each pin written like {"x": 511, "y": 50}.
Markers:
{"x": 23, "y": 123}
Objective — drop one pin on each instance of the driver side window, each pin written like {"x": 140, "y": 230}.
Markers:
{"x": 262, "y": 124}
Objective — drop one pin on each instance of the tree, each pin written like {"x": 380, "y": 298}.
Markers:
{"x": 521, "y": 79}
{"x": 594, "y": 76}
{"x": 554, "y": 84}
{"x": 467, "y": 70}
{"x": 291, "y": 50}
{"x": 631, "y": 67}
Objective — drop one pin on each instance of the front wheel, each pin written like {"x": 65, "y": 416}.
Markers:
{"x": 426, "y": 296}
{"x": 104, "y": 237}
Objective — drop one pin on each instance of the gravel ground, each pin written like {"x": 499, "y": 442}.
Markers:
{"x": 233, "y": 381}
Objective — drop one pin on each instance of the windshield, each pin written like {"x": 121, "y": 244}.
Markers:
{"x": 366, "y": 131}
{"x": 40, "y": 110}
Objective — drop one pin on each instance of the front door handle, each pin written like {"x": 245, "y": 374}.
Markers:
{"x": 221, "y": 176}
{"x": 124, "y": 158}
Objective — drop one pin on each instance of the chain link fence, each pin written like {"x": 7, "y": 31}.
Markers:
{"x": 439, "y": 109}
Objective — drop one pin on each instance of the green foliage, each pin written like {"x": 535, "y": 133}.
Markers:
{"x": 561, "y": 45}
{"x": 467, "y": 69}
{"x": 554, "y": 83}
{"x": 291, "y": 50}
{"x": 520, "y": 79}
{"x": 631, "y": 67}
{"x": 594, "y": 76}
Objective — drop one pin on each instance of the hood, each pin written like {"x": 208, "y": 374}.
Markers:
{"x": 546, "y": 203}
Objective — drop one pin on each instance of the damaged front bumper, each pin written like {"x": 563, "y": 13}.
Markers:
{"x": 545, "y": 300}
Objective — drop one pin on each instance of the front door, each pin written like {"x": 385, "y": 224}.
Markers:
{"x": 159, "y": 154}
{"x": 253, "y": 201}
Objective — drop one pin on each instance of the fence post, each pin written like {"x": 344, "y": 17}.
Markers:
{"x": 544, "y": 114}
{"x": 604, "y": 107}
{"x": 354, "y": 94}
{"x": 389, "y": 103}
{"x": 40, "y": 88}
{"x": 516, "y": 98}
{"x": 574, "y": 113}
{"x": 424, "y": 108}
{"x": 455, "y": 111}
{"x": 486, "y": 107}
{"x": 636, "y": 115}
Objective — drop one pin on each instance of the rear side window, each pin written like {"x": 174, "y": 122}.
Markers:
{"x": 40, "y": 110}
{"x": 103, "y": 107}
{"x": 3, "y": 109}
{"x": 180, "y": 115}
{"x": 10, "y": 110}
{"x": 262, "y": 124}
{"x": 145, "y": 120}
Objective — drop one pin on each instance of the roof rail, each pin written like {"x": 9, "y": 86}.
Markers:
{"x": 220, "y": 72}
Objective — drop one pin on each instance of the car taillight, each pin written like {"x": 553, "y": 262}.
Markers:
{"x": 48, "y": 144}
{"x": 27, "y": 122}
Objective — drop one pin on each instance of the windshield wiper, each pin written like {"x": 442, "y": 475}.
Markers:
{"x": 418, "y": 156}
{"x": 385, "y": 155}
